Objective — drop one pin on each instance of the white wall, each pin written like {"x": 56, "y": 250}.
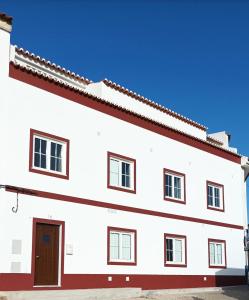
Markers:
{"x": 92, "y": 134}
{"x": 105, "y": 92}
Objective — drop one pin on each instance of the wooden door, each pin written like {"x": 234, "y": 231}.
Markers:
{"x": 46, "y": 254}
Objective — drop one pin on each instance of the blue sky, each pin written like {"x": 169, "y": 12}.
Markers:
{"x": 190, "y": 55}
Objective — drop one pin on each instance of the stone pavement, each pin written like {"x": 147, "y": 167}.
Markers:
{"x": 238, "y": 293}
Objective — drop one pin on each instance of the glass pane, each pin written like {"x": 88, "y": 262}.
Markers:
{"x": 212, "y": 253}
{"x": 59, "y": 165}
{"x": 53, "y": 147}
{"x": 126, "y": 246}
{"x": 219, "y": 254}
{"x": 114, "y": 172}
{"x": 217, "y": 197}
{"x": 59, "y": 150}
{"x": 114, "y": 166}
{"x": 43, "y": 161}
{"x": 37, "y": 145}
{"x": 178, "y": 251}
{"x": 52, "y": 163}
{"x": 168, "y": 190}
{"x": 210, "y": 195}
{"x": 114, "y": 245}
{"x": 169, "y": 249}
{"x": 177, "y": 187}
{"x": 37, "y": 160}
{"x": 43, "y": 146}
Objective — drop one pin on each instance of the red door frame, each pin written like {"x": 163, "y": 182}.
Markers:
{"x": 62, "y": 241}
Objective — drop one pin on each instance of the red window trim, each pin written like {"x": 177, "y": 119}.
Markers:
{"x": 31, "y": 148}
{"x": 166, "y": 264}
{"x": 183, "y": 201}
{"x": 118, "y": 156}
{"x": 223, "y": 201}
{"x": 225, "y": 253}
{"x": 133, "y": 231}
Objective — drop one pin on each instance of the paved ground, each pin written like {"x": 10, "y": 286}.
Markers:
{"x": 241, "y": 293}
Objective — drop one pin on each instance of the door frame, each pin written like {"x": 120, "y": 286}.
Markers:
{"x": 61, "y": 225}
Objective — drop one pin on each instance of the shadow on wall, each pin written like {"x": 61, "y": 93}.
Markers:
{"x": 234, "y": 286}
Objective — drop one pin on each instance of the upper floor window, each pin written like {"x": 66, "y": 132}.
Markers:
{"x": 217, "y": 253}
{"x": 215, "y": 196}
{"x": 175, "y": 250}
{"x": 121, "y": 246}
{"x": 174, "y": 186}
{"x": 121, "y": 173}
{"x": 49, "y": 154}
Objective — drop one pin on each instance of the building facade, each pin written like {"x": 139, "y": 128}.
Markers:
{"x": 101, "y": 187}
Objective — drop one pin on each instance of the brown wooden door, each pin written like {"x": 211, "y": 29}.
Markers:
{"x": 46, "y": 254}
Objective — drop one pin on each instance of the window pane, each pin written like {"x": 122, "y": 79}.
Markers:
{"x": 52, "y": 163}
{"x": 168, "y": 190}
{"x": 126, "y": 246}
{"x": 212, "y": 253}
{"x": 217, "y": 197}
{"x": 125, "y": 174}
{"x": 37, "y": 145}
{"x": 114, "y": 172}
{"x": 37, "y": 160}
{"x": 43, "y": 146}
{"x": 177, "y": 187}
{"x": 218, "y": 254}
{"x": 210, "y": 195}
{"x": 169, "y": 249}
{"x": 59, "y": 165}
{"x": 114, "y": 245}
{"x": 53, "y": 146}
{"x": 43, "y": 161}
{"x": 178, "y": 251}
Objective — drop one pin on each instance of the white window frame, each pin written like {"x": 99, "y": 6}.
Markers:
{"x": 221, "y": 191}
{"x": 132, "y": 172}
{"x": 48, "y": 155}
{"x": 182, "y": 191}
{"x": 174, "y": 238}
{"x": 120, "y": 233}
{"x": 217, "y": 243}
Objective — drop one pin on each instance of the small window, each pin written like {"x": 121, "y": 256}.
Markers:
{"x": 121, "y": 173}
{"x": 215, "y": 196}
{"x": 175, "y": 250}
{"x": 217, "y": 253}
{"x": 121, "y": 246}
{"x": 49, "y": 154}
{"x": 174, "y": 186}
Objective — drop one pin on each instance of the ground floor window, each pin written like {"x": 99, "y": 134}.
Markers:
{"x": 121, "y": 246}
{"x": 217, "y": 253}
{"x": 175, "y": 250}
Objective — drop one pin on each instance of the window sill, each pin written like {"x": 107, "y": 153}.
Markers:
{"x": 175, "y": 200}
{"x": 46, "y": 172}
{"x": 122, "y": 189}
{"x": 217, "y": 267}
{"x": 175, "y": 265}
{"x": 122, "y": 263}
{"x": 215, "y": 208}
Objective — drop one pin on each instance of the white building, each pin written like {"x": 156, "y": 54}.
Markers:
{"x": 101, "y": 187}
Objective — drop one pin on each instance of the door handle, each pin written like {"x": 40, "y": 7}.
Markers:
{"x": 37, "y": 256}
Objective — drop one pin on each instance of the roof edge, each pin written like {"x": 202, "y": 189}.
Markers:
{"x": 152, "y": 103}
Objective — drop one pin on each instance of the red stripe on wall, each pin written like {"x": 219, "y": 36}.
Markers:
{"x": 15, "y": 282}
{"x": 95, "y": 103}
{"x": 78, "y": 200}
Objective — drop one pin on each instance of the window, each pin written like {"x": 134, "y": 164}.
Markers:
{"x": 174, "y": 186}
{"x": 175, "y": 250}
{"x": 215, "y": 196}
{"x": 121, "y": 246}
{"x": 121, "y": 173}
{"x": 217, "y": 253}
{"x": 49, "y": 154}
